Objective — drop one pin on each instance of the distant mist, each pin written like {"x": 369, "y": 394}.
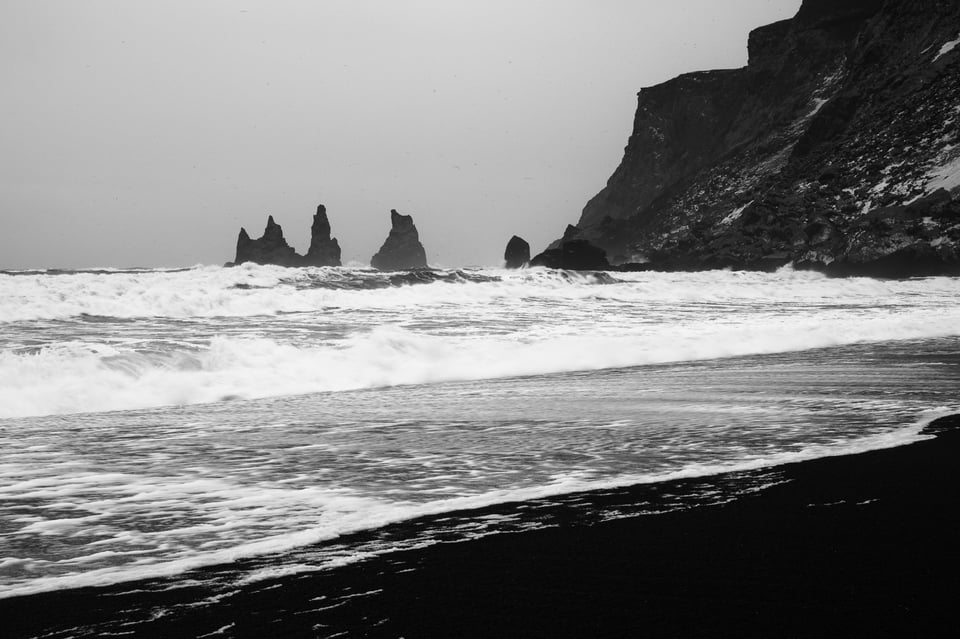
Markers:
{"x": 147, "y": 134}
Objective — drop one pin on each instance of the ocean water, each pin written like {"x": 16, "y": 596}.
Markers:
{"x": 153, "y": 422}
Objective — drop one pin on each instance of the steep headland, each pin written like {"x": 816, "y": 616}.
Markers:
{"x": 837, "y": 148}
{"x": 272, "y": 248}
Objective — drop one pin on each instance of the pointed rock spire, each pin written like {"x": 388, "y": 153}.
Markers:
{"x": 272, "y": 248}
{"x": 324, "y": 250}
{"x": 402, "y": 249}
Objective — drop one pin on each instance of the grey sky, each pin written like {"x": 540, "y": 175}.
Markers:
{"x": 148, "y": 133}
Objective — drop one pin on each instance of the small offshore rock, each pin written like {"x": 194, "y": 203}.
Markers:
{"x": 517, "y": 254}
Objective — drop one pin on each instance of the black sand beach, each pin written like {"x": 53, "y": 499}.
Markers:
{"x": 859, "y": 545}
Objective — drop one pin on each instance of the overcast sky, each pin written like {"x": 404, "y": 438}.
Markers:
{"x": 147, "y": 133}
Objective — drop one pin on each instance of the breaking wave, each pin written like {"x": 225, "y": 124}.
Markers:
{"x": 72, "y": 378}
{"x": 252, "y": 290}
{"x": 247, "y": 290}
{"x": 113, "y": 340}
{"x": 275, "y": 514}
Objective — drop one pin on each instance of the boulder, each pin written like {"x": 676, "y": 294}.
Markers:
{"x": 517, "y": 254}
{"x": 402, "y": 249}
{"x": 574, "y": 255}
{"x": 324, "y": 250}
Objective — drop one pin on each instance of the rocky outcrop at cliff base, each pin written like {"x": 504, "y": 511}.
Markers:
{"x": 573, "y": 255}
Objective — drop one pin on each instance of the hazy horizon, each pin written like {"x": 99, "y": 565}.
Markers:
{"x": 141, "y": 134}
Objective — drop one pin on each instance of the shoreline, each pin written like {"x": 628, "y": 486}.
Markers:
{"x": 855, "y": 544}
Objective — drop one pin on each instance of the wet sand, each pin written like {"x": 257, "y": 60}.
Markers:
{"x": 858, "y": 545}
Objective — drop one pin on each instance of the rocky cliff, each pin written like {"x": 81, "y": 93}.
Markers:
{"x": 837, "y": 147}
{"x": 272, "y": 247}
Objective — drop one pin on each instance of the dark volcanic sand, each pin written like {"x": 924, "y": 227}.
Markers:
{"x": 855, "y": 546}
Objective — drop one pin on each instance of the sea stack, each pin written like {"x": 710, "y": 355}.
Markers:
{"x": 402, "y": 249}
{"x": 517, "y": 254}
{"x": 270, "y": 248}
{"x": 324, "y": 250}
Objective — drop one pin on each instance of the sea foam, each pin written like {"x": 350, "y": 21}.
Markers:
{"x": 91, "y": 378}
{"x": 88, "y": 342}
{"x": 252, "y": 290}
{"x": 241, "y": 521}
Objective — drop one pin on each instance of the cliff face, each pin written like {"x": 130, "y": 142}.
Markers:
{"x": 822, "y": 151}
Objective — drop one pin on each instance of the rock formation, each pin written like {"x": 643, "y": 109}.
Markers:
{"x": 824, "y": 151}
{"x": 573, "y": 255}
{"x": 517, "y": 253}
{"x": 402, "y": 249}
{"x": 272, "y": 248}
{"x": 324, "y": 250}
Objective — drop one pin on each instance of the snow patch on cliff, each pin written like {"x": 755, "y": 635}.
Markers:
{"x": 946, "y": 176}
{"x": 817, "y": 105}
{"x": 947, "y": 48}
{"x": 730, "y": 219}
{"x": 820, "y": 96}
